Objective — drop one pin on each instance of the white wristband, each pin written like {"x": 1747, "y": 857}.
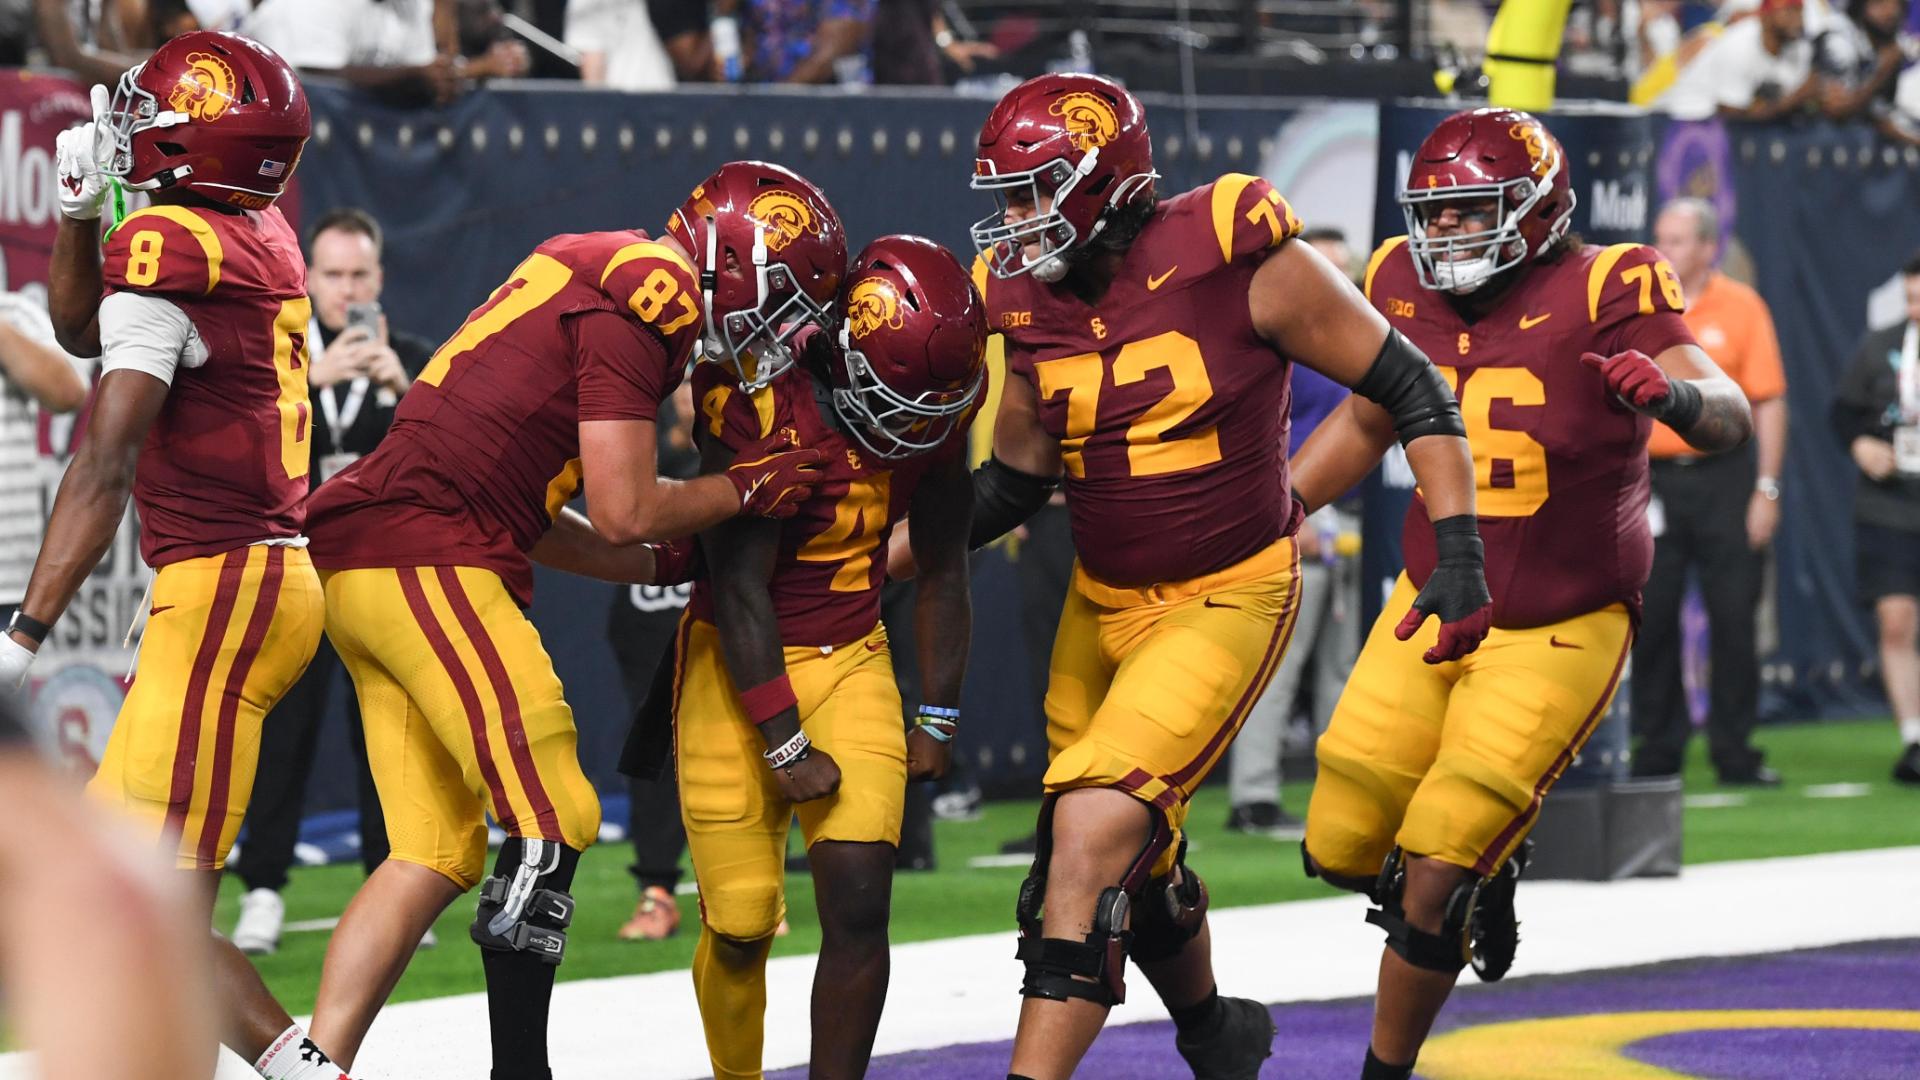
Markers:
{"x": 15, "y": 659}
{"x": 788, "y": 752}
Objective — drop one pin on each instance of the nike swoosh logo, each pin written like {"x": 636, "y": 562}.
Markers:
{"x": 1558, "y": 644}
{"x": 1154, "y": 282}
{"x": 1210, "y": 602}
{"x": 1528, "y": 322}
{"x": 158, "y": 608}
{"x": 876, "y": 646}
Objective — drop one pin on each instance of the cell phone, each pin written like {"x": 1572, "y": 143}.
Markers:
{"x": 365, "y": 315}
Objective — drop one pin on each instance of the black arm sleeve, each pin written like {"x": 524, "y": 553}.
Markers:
{"x": 1403, "y": 382}
{"x": 1003, "y": 499}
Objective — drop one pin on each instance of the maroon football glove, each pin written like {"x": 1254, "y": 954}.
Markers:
{"x": 773, "y": 476}
{"x": 1456, "y": 591}
{"x": 673, "y": 561}
{"x": 1642, "y": 386}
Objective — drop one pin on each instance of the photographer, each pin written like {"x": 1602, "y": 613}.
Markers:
{"x": 357, "y": 372}
{"x": 1877, "y": 412}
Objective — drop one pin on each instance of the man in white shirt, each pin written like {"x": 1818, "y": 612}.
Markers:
{"x": 1758, "y": 69}
{"x": 36, "y": 376}
{"x": 404, "y": 50}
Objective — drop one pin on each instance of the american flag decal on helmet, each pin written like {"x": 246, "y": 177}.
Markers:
{"x": 275, "y": 169}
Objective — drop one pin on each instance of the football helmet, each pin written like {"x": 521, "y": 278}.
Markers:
{"x": 1500, "y": 154}
{"x": 1080, "y": 140}
{"x": 771, "y": 254}
{"x": 215, "y": 113}
{"x": 912, "y": 359}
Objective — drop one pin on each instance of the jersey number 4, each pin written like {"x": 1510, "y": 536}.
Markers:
{"x": 1149, "y": 451}
{"x": 858, "y": 519}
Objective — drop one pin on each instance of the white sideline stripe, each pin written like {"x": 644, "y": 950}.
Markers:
{"x": 1837, "y": 791}
{"x": 311, "y": 926}
{"x": 964, "y": 989}
{"x": 1714, "y": 800}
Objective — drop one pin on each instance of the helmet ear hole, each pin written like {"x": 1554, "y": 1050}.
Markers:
{"x": 247, "y": 96}
{"x": 171, "y": 149}
{"x": 1100, "y": 186}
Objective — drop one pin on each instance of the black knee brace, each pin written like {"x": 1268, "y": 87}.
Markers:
{"x": 1365, "y": 886}
{"x": 1095, "y": 968}
{"x": 1169, "y": 913}
{"x": 1446, "y": 951}
{"x": 525, "y": 906}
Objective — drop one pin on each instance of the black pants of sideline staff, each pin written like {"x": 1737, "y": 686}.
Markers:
{"x": 1705, "y": 506}
{"x": 287, "y": 741}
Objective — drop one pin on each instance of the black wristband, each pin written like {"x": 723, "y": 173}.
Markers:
{"x": 1004, "y": 498}
{"x": 1456, "y": 539}
{"x": 1407, "y": 385}
{"x": 29, "y": 627}
{"x": 1681, "y": 410}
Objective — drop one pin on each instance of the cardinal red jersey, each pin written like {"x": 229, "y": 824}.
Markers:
{"x": 1170, "y": 410}
{"x": 832, "y": 559}
{"x": 225, "y": 462}
{"x": 485, "y": 447}
{"x": 1560, "y": 465}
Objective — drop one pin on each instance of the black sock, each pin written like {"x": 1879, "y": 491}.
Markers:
{"x": 520, "y": 985}
{"x": 1375, "y": 1069}
{"x": 1200, "y": 1018}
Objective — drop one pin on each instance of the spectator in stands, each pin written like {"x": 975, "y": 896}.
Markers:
{"x": 1758, "y": 69}
{"x": 911, "y": 38}
{"x": 86, "y": 39}
{"x": 641, "y": 627}
{"x": 1326, "y": 636}
{"x": 804, "y": 41}
{"x": 621, "y": 46}
{"x": 1861, "y": 55}
{"x": 1715, "y": 515}
{"x": 36, "y": 376}
{"x": 1877, "y": 412}
{"x": 357, "y": 373}
{"x": 403, "y": 50}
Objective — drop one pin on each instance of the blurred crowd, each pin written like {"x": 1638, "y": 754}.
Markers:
{"x": 418, "y": 51}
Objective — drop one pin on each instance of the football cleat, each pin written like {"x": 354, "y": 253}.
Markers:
{"x": 262, "y": 915}
{"x": 1493, "y": 930}
{"x": 1243, "y": 1039}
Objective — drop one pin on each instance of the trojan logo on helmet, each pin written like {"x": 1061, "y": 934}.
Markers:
{"x": 873, "y": 304}
{"x": 1530, "y": 135}
{"x": 1090, "y": 121}
{"x": 783, "y": 214}
{"x": 205, "y": 87}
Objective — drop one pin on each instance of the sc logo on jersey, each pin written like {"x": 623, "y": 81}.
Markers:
{"x": 874, "y": 304}
{"x": 784, "y": 215}
{"x": 1090, "y": 119}
{"x": 205, "y": 89}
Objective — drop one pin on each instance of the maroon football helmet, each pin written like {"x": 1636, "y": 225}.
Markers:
{"x": 913, "y": 349}
{"x": 771, "y": 255}
{"x": 1499, "y": 154}
{"x": 1080, "y": 139}
{"x": 218, "y": 114}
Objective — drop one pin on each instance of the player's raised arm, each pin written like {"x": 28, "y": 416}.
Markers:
{"x": 1684, "y": 389}
{"x": 1308, "y": 311}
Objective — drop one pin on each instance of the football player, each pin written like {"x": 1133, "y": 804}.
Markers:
{"x": 425, "y": 546}
{"x": 1148, "y": 344}
{"x": 1561, "y": 355}
{"x": 198, "y": 308}
{"x": 785, "y": 697}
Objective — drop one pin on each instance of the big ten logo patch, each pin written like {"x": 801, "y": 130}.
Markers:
{"x": 1400, "y": 309}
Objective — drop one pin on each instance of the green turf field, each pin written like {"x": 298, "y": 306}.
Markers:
{"x": 956, "y": 899}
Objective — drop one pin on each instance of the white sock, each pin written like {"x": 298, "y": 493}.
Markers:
{"x": 1910, "y": 730}
{"x": 293, "y": 1056}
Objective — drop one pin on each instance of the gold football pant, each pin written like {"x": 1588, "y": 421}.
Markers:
{"x": 1149, "y": 685}
{"x": 463, "y": 713}
{"x": 228, "y": 636}
{"x": 1452, "y": 760}
{"x": 737, "y": 819}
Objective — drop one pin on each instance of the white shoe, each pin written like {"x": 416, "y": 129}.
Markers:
{"x": 257, "y": 933}
{"x": 428, "y": 940}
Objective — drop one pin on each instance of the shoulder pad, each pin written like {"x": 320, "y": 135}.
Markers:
{"x": 659, "y": 287}
{"x": 1631, "y": 279}
{"x": 1380, "y": 256}
{"x": 981, "y": 276}
{"x": 167, "y": 250}
{"x": 728, "y": 413}
{"x": 1249, "y": 216}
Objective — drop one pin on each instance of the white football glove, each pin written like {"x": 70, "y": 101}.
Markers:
{"x": 15, "y": 659}
{"x": 78, "y": 155}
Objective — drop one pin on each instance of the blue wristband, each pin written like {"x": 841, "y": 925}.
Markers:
{"x": 951, "y": 715}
